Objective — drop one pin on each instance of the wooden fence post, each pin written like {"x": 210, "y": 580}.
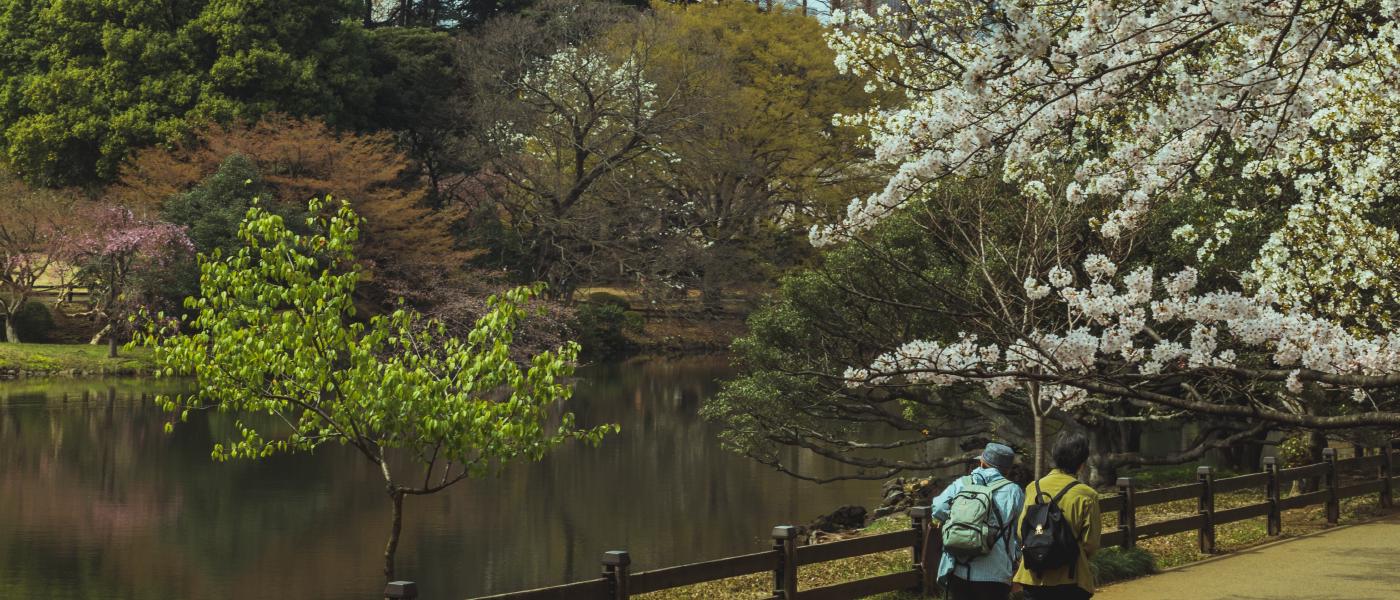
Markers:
{"x": 1386, "y": 472}
{"x": 1127, "y": 513}
{"x": 926, "y": 557}
{"x": 615, "y": 563}
{"x": 1334, "y": 508}
{"x": 785, "y": 575}
{"x": 1206, "y": 505}
{"x": 401, "y": 590}
{"x": 1274, "y": 494}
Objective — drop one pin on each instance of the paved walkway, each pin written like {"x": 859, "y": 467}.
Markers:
{"x": 1358, "y": 562}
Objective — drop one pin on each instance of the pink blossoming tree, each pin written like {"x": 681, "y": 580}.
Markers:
{"x": 116, "y": 249}
{"x": 32, "y": 244}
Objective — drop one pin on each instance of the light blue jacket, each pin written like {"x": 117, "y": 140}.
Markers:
{"x": 997, "y": 564}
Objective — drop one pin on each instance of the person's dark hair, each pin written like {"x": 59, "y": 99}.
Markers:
{"x": 1070, "y": 451}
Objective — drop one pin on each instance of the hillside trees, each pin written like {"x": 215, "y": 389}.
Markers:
{"x": 569, "y": 110}
{"x": 85, "y": 82}
{"x": 683, "y": 148}
{"x": 763, "y": 161}
{"x": 213, "y": 207}
{"x": 296, "y": 159}
{"x": 436, "y": 13}
{"x": 420, "y": 99}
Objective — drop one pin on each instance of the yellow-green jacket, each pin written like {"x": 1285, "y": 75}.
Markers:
{"x": 1081, "y": 509}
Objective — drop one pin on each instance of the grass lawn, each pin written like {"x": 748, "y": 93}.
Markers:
{"x": 83, "y": 359}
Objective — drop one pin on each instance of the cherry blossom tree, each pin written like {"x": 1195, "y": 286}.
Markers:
{"x": 116, "y": 249}
{"x": 32, "y": 244}
{"x": 1148, "y": 105}
{"x": 565, "y": 113}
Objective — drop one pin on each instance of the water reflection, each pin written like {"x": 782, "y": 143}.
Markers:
{"x": 96, "y": 502}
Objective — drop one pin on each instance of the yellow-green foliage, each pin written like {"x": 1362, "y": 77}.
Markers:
{"x": 274, "y": 330}
{"x": 770, "y": 88}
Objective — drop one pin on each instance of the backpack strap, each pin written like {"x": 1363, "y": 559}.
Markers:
{"x": 1056, "y": 499}
{"x": 1004, "y": 524}
{"x": 1074, "y": 561}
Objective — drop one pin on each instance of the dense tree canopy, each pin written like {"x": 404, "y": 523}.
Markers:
{"x": 84, "y": 82}
{"x": 292, "y": 160}
{"x": 419, "y": 98}
{"x": 859, "y": 300}
{"x": 763, "y": 159}
{"x": 564, "y": 110}
{"x": 680, "y": 148}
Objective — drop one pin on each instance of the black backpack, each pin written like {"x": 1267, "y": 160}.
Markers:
{"x": 1047, "y": 538}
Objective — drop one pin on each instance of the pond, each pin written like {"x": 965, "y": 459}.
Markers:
{"x": 98, "y": 503}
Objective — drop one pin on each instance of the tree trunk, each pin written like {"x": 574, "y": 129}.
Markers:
{"x": 1317, "y": 441}
{"x": 1040, "y": 451}
{"x": 711, "y": 290}
{"x": 11, "y": 335}
{"x": 97, "y": 337}
{"x": 1103, "y": 471}
{"x": 718, "y": 267}
{"x": 112, "y": 345}
{"x": 1038, "y": 416}
{"x": 390, "y": 549}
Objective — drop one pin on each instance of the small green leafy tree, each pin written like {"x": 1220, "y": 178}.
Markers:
{"x": 274, "y": 331}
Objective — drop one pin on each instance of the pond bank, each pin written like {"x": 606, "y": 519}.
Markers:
{"x": 70, "y": 360}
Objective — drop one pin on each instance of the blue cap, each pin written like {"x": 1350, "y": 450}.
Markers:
{"x": 999, "y": 456}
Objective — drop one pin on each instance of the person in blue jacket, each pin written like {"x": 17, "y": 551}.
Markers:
{"x": 986, "y": 577}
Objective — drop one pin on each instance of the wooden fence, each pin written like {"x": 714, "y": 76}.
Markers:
{"x": 617, "y": 582}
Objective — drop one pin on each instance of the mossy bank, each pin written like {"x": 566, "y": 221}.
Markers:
{"x": 70, "y": 360}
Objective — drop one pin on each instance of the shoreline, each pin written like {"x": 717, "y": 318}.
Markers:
{"x": 35, "y": 361}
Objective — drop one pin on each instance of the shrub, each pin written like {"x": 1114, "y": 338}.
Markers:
{"x": 603, "y": 328}
{"x": 1154, "y": 477}
{"x": 33, "y": 322}
{"x": 1117, "y": 564}
{"x": 1295, "y": 451}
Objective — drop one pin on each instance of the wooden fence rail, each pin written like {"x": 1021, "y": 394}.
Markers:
{"x": 925, "y": 545}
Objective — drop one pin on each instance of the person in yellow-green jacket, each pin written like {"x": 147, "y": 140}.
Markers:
{"x": 1079, "y": 504}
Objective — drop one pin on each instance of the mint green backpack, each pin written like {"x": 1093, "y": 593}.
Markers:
{"x": 969, "y": 532}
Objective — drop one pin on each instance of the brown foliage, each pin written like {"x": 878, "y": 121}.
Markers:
{"x": 408, "y": 246}
{"x": 300, "y": 159}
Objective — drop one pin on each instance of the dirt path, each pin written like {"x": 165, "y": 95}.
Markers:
{"x": 1357, "y": 562}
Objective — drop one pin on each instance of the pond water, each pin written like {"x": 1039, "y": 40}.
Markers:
{"x": 97, "y": 503}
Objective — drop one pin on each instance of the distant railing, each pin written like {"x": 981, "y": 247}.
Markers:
{"x": 1272, "y": 479}
{"x": 617, "y": 582}
{"x": 62, "y": 292}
